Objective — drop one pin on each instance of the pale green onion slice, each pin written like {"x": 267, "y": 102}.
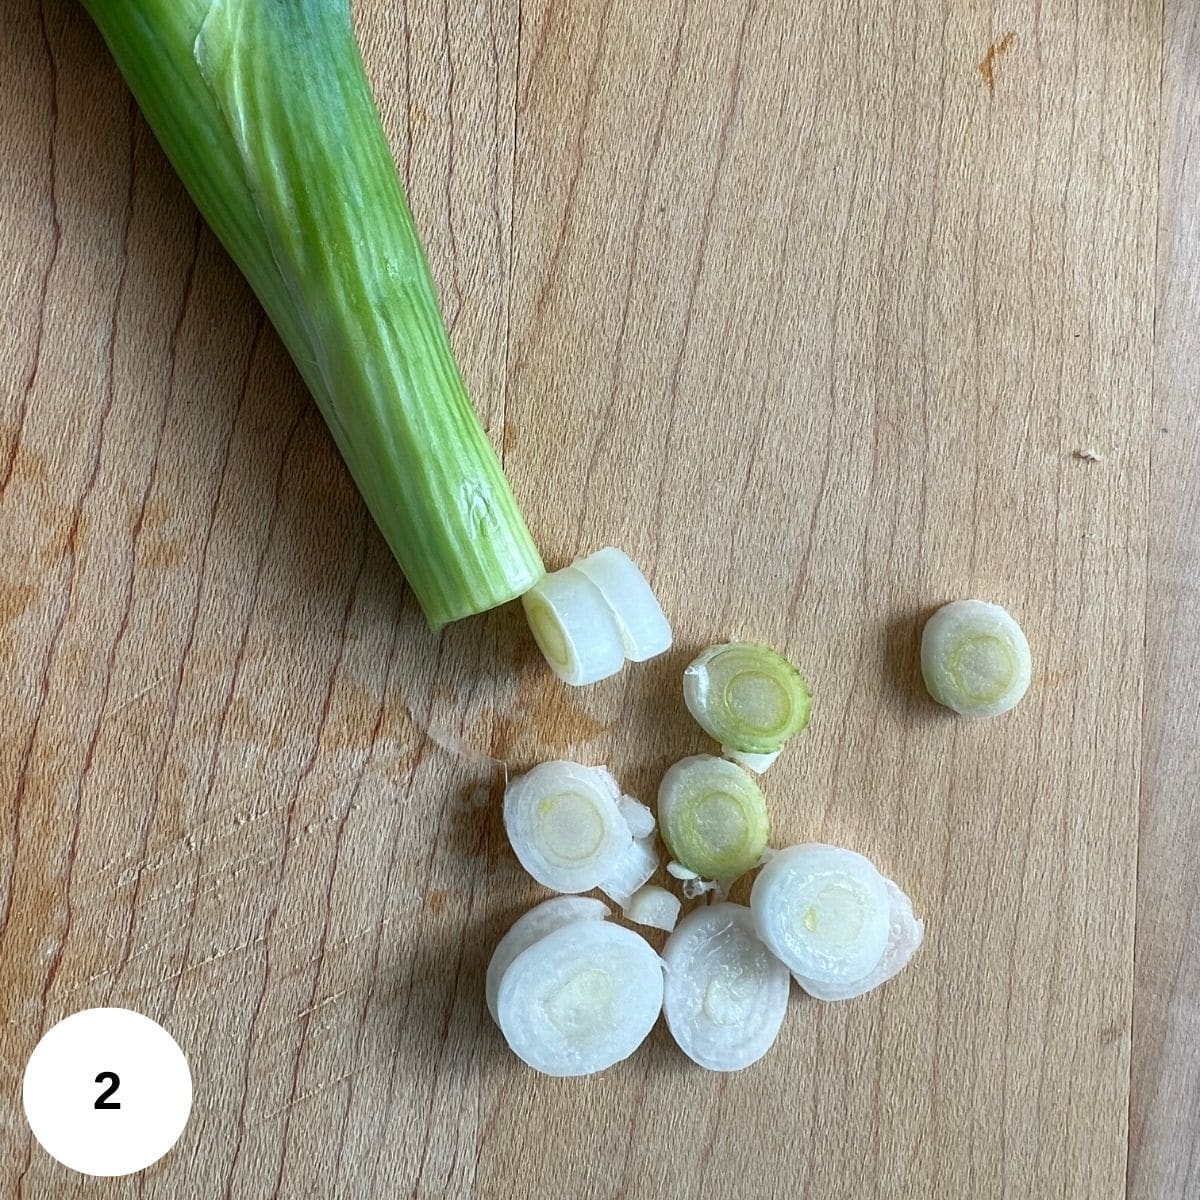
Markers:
{"x": 635, "y": 866}
{"x": 726, "y": 994}
{"x": 532, "y": 927}
{"x": 580, "y": 999}
{"x": 653, "y": 906}
{"x": 823, "y": 911}
{"x": 564, "y": 825}
{"x": 713, "y": 817}
{"x": 645, "y": 631}
{"x": 574, "y": 627}
{"x": 975, "y": 658}
{"x": 906, "y": 932}
{"x": 757, "y": 763}
{"x": 746, "y": 697}
{"x": 637, "y": 816}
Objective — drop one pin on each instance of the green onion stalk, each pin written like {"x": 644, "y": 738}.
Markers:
{"x": 266, "y": 113}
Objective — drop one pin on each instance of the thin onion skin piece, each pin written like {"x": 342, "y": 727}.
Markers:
{"x": 716, "y": 719}
{"x": 266, "y": 114}
{"x": 793, "y": 873}
{"x": 595, "y": 947}
{"x": 522, "y": 798}
{"x": 530, "y": 928}
{"x": 905, "y": 936}
{"x": 722, "y": 936}
{"x": 990, "y": 622}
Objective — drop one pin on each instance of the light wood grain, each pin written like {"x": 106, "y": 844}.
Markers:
{"x": 810, "y": 315}
{"x": 1165, "y": 1099}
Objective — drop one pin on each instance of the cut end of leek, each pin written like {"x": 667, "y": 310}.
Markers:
{"x": 747, "y": 697}
{"x": 713, "y": 817}
{"x": 581, "y": 998}
{"x": 565, "y": 827}
{"x": 725, "y": 995}
{"x": 975, "y": 658}
{"x": 653, "y": 906}
{"x": 532, "y": 927}
{"x": 590, "y": 617}
{"x": 574, "y": 628}
{"x": 906, "y": 932}
{"x": 823, "y": 911}
{"x": 637, "y": 816}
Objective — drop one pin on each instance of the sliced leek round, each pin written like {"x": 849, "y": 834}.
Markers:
{"x": 975, "y": 658}
{"x": 645, "y": 631}
{"x": 747, "y": 697}
{"x": 574, "y": 627}
{"x": 564, "y": 825}
{"x": 580, "y": 999}
{"x": 906, "y": 932}
{"x": 532, "y": 927}
{"x": 823, "y": 911}
{"x": 713, "y": 817}
{"x": 726, "y": 994}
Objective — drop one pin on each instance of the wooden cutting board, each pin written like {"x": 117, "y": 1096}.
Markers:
{"x": 827, "y": 314}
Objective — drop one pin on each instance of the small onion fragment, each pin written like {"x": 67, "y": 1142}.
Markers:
{"x": 975, "y": 658}
{"x": 654, "y": 906}
{"x": 580, "y": 999}
{"x": 632, "y": 869}
{"x": 747, "y": 697}
{"x": 637, "y": 816}
{"x": 713, "y": 817}
{"x": 823, "y": 911}
{"x": 564, "y": 825}
{"x": 726, "y": 994}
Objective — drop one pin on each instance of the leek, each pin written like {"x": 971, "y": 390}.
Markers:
{"x": 265, "y": 111}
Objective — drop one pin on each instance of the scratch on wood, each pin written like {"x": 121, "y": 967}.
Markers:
{"x": 996, "y": 51}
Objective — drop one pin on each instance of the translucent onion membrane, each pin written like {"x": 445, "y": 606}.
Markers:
{"x": 653, "y": 906}
{"x": 713, "y": 817}
{"x": 726, "y": 994}
{"x": 592, "y": 616}
{"x": 824, "y": 912}
{"x": 747, "y": 697}
{"x": 975, "y": 658}
{"x": 906, "y": 932}
{"x": 580, "y": 998}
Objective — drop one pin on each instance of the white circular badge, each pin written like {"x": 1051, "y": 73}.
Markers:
{"x": 107, "y": 1092}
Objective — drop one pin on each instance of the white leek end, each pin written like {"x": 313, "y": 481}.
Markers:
{"x": 726, "y": 994}
{"x": 975, "y": 658}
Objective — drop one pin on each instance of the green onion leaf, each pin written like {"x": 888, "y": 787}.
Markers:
{"x": 264, "y": 108}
